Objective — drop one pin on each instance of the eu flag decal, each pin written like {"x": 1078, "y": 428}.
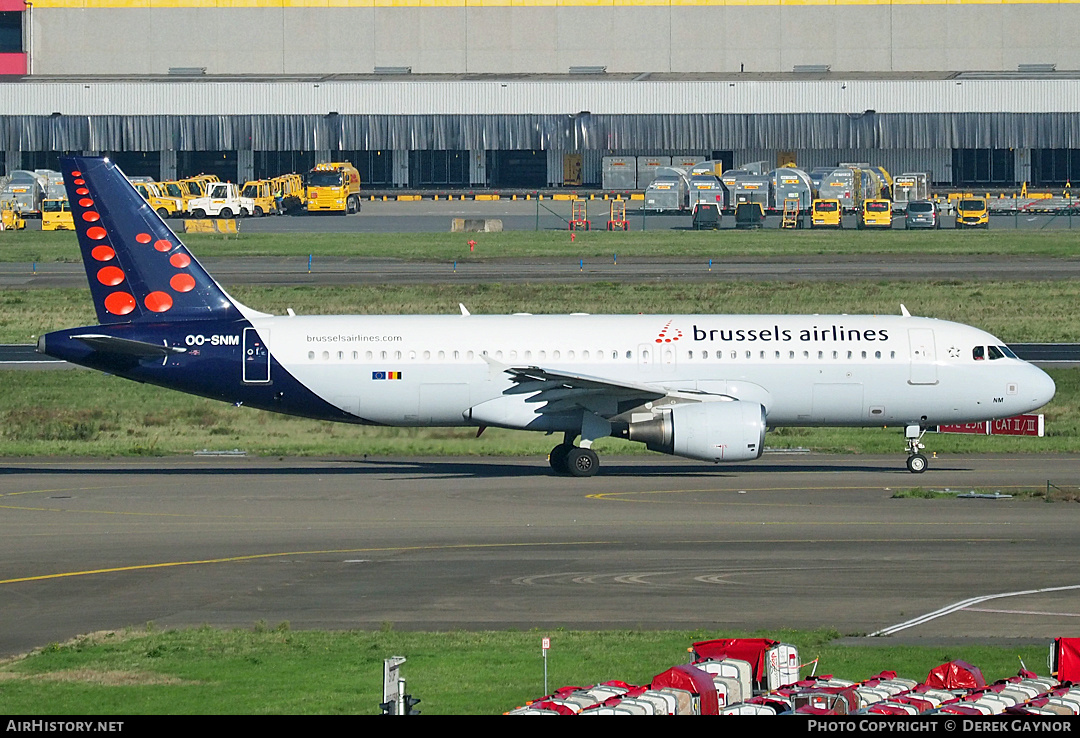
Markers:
{"x": 386, "y": 375}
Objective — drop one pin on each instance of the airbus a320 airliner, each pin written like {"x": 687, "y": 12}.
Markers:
{"x": 699, "y": 386}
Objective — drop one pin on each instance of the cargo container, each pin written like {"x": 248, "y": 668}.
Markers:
{"x": 707, "y": 188}
{"x": 53, "y": 183}
{"x": 790, "y": 183}
{"x": 908, "y": 187}
{"x": 619, "y": 173}
{"x": 715, "y": 167}
{"x": 751, "y": 188}
{"x": 668, "y": 192}
{"x": 817, "y": 174}
{"x": 843, "y": 184}
{"x": 687, "y": 162}
{"x": 646, "y": 169}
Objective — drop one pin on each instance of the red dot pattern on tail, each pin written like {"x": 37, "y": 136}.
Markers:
{"x": 110, "y": 276}
{"x": 122, "y": 302}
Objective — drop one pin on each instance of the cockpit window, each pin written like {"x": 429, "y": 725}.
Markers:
{"x": 994, "y": 352}
{"x": 978, "y": 353}
{"x": 1008, "y": 352}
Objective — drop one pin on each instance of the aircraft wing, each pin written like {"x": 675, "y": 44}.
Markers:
{"x": 562, "y": 391}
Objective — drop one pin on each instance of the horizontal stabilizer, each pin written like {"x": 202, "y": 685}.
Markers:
{"x": 127, "y": 347}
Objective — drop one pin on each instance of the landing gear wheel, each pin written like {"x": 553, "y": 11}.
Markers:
{"x": 916, "y": 463}
{"x": 557, "y": 458}
{"x": 582, "y": 462}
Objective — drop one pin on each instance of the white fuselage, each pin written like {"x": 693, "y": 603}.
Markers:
{"x": 805, "y": 370}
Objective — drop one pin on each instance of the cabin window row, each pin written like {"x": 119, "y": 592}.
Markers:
{"x": 464, "y": 355}
{"x": 587, "y": 355}
{"x": 791, "y": 355}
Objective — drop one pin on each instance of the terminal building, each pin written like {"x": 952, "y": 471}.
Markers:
{"x": 501, "y": 94}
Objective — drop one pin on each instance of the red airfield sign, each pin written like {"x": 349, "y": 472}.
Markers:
{"x": 1019, "y": 425}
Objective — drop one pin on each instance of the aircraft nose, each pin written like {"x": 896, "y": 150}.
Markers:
{"x": 1040, "y": 388}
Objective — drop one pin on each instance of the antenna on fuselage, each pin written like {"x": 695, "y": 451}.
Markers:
{"x": 464, "y": 310}
{"x": 903, "y": 311}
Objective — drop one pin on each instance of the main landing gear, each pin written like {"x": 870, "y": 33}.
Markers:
{"x": 916, "y": 462}
{"x": 566, "y": 458}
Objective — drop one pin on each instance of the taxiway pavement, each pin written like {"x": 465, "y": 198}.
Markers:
{"x": 789, "y": 541}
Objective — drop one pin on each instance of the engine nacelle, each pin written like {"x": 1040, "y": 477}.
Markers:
{"x": 709, "y": 431}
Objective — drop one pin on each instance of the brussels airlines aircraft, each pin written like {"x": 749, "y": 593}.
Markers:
{"x": 699, "y": 386}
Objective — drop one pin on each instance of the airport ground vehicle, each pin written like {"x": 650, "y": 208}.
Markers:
{"x": 191, "y": 188}
{"x": 333, "y": 187}
{"x": 875, "y": 214}
{"x": 222, "y": 200}
{"x": 10, "y": 218}
{"x": 177, "y": 190}
{"x": 56, "y": 215}
{"x": 288, "y": 190}
{"x": 749, "y": 215}
{"x": 706, "y": 216}
{"x": 922, "y": 214}
{"x": 826, "y": 214}
{"x": 24, "y": 190}
{"x": 166, "y": 207}
{"x": 971, "y": 212}
{"x": 703, "y": 387}
{"x": 261, "y": 192}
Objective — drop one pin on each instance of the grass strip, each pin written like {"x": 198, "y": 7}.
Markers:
{"x": 275, "y": 670}
{"x": 662, "y": 240}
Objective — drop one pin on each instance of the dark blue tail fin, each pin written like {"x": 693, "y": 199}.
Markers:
{"x": 137, "y": 268}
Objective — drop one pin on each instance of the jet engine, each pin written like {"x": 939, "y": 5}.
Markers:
{"x": 709, "y": 431}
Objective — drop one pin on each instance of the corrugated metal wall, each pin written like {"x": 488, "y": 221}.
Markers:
{"x": 566, "y": 98}
{"x": 651, "y": 133}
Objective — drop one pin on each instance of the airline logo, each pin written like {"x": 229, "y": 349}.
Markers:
{"x": 386, "y": 375}
{"x": 668, "y": 334}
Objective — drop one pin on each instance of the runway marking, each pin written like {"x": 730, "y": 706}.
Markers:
{"x": 118, "y": 512}
{"x": 963, "y": 605}
{"x": 1024, "y": 612}
{"x": 623, "y": 496}
{"x": 99, "y": 512}
{"x": 252, "y": 557}
{"x": 64, "y": 489}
